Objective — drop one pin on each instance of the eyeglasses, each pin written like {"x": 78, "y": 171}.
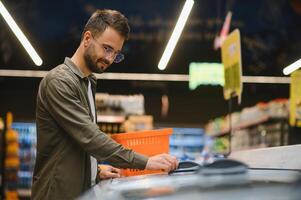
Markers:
{"x": 111, "y": 53}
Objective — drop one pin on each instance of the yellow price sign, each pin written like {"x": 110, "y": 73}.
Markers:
{"x": 231, "y": 58}
{"x": 295, "y": 99}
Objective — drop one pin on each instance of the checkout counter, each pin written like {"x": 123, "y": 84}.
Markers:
{"x": 220, "y": 180}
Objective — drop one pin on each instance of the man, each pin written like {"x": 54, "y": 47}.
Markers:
{"x": 69, "y": 140}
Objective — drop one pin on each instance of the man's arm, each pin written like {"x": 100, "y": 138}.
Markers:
{"x": 72, "y": 115}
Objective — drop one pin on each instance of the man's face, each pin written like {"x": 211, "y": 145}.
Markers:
{"x": 101, "y": 51}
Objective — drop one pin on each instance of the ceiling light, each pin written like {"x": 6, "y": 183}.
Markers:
{"x": 175, "y": 34}
{"x": 20, "y": 35}
{"x": 292, "y": 67}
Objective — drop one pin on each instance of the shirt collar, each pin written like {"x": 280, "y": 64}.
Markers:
{"x": 77, "y": 71}
{"x": 73, "y": 67}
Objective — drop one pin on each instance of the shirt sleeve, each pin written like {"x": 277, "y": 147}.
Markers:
{"x": 71, "y": 114}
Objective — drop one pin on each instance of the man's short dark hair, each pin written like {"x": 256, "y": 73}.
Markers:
{"x": 101, "y": 19}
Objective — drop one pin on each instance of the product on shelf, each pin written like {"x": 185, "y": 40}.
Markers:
{"x": 27, "y": 152}
{"x": 221, "y": 145}
{"x": 12, "y": 161}
{"x": 262, "y": 112}
{"x": 187, "y": 143}
{"x": 107, "y": 104}
{"x": 121, "y": 113}
{"x": 263, "y": 125}
{"x": 1, "y": 124}
{"x": 138, "y": 122}
{"x": 111, "y": 124}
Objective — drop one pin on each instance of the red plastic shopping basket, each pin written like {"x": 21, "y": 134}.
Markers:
{"x": 149, "y": 142}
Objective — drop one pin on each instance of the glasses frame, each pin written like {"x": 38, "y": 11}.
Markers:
{"x": 110, "y": 52}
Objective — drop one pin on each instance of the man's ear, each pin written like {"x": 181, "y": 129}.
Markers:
{"x": 87, "y": 38}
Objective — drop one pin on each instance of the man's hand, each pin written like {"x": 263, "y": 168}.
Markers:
{"x": 163, "y": 162}
{"x": 107, "y": 171}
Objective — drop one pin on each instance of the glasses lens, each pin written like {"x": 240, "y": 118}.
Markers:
{"x": 119, "y": 57}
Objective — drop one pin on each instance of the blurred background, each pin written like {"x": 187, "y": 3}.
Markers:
{"x": 194, "y": 107}
{"x": 270, "y": 41}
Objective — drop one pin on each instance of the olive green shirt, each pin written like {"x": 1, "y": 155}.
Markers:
{"x": 67, "y": 137}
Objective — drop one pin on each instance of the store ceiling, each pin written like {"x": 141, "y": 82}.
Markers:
{"x": 270, "y": 32}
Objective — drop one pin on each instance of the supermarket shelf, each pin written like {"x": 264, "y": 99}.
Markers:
{"x": 1, "y": 125}
{"x": 241, "y": 126}
{"x": 24, "y": 192}
{"x": 110, "y": 119}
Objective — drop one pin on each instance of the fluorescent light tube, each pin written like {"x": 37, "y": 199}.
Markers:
{"x": 20, "y": 35}
{"x": 292, "y": 67}
{"x": 175, "y": 34}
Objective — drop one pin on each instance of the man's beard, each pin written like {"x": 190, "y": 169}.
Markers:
{"x": 91, "y": 61}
